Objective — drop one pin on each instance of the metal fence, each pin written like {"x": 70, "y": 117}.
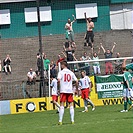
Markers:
{"x": 20, "y": 89}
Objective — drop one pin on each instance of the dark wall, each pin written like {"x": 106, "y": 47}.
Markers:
{"x": 61, "y": 11}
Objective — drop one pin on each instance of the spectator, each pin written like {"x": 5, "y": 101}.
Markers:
{"x": 118, "y": 64}
{"x": 89, "y": 37}
{"x": 59, "y": 59}
{"x": 69, "y": 31}
{"x": 46, "y": 63}
{"x": 31, "y": 77}
{"x": 128, "y": 66}
{"x": 81, "y": 65}
{"x": 87, "y": 65}
{"x": 66, "y": 44}
{"x": 7, "y": 63}
{"x": 69, "y": 55}
{"x": 0, "y": 66}
{"x": 96, "y": 65}
{"x": 53, "y": 71}
{"x": 108, "y": 54}
{"x": 38, "y": 64}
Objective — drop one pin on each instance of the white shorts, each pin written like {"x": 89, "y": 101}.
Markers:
{"x": 131, "y": 94}
{"x": 96, "y": 69}
{"x": 126, "y": 93}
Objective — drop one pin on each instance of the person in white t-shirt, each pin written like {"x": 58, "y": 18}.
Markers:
{"x": 55, "y": 92}
{"x": 65, "y": 78}
{"x": 70, "y": 32}
{"x": 31, "y": 76}
{"x": 86, "y": 85}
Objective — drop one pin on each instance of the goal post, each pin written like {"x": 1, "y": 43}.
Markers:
{"x": 79, "y": 66}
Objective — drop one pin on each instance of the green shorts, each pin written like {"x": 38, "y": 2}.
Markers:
{"x": 70, "y": 35}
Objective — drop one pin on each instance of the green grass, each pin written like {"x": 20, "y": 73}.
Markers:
{"x": 105, "y": 119}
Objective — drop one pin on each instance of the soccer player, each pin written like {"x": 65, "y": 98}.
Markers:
{"x": 65, "y": 78}
{"x": 127, "y": 85}
{"x": 86, "y": 84}
{"x": 54, "y": 92}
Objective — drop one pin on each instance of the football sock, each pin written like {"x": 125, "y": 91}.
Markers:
{"x": 90, "y": 102}
{"x": 61, "y": 113}
{"x": 125, "y": 105}
{"x": 85, "y": 103}
{"x": 57, "y": 104}
{"x": 72, "y": 113}
{"x": 129, "y": 101}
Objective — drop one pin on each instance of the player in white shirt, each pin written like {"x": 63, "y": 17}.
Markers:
{"x": 54, "y": 92}
{"x": 65, "y": 78}
{"x": 86, "y": 85}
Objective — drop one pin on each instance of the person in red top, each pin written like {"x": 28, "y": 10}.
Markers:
{"x": 59, "y": 59}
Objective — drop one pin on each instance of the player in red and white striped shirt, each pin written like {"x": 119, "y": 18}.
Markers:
{"x": 86, "y": 85}
{"x": 65, "y": 78}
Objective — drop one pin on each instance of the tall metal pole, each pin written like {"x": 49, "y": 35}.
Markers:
{"x": 42, "y": 86}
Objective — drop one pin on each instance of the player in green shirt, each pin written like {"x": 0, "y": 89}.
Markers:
{"x": 127, "y": 86}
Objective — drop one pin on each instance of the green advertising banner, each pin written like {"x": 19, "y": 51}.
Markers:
{"x": 109, "y": 86}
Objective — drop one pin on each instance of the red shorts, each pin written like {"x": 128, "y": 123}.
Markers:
{"x": 66, "y": 97}
{"x": 85, "y": 93}
{"x": 54, "y": 98}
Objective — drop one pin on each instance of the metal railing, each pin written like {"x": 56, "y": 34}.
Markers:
{"x": 20, "y": 90}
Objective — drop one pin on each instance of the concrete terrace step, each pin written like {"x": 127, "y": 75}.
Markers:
{"x": 23, "y": 50}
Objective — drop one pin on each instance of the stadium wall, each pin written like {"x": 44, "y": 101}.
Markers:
{"x": 120, "y": 1}
{"x": 61, "y": 11}
{"x": 45, "y": 103}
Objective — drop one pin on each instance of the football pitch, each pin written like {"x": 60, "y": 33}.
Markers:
{"x": 105, "y": 119}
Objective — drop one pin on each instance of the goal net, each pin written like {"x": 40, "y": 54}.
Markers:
{"x": 101, "y": 66}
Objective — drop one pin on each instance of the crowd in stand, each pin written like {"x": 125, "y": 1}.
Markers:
{"x": 69, "y": 49}
{"x": 68, "y": 54}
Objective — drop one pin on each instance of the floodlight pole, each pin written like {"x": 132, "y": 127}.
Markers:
{"x": 42, "y": 83}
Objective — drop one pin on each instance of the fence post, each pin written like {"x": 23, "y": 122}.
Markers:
{"x": 23, "y": 88}
{"x": 49, "y": 80}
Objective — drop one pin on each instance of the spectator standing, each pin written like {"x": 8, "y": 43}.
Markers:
{"x": 31, "y": 77}
{"x": 89, "y": 37}
{"x": 87, "y": 65}
{"x": 81, "y": 65}
{"x": 118, "y": 64}
{"x": 53, "y": 71}
{"x": 96, "y": 64}
{"x": 70, "y": 56}
{"x": 46, "y": 63}
{"x": 128, "y": 66}
{"x": 108, "y": 54}
{"x": 70, "y": 32}
{"x": 7, "y": 65}
{"x": 60, "y": 59}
